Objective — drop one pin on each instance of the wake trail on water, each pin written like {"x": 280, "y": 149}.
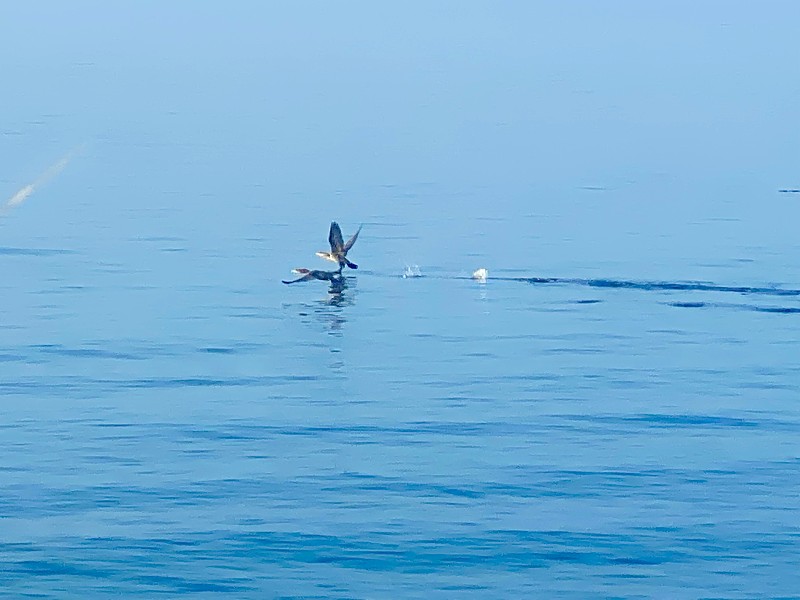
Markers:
{"x": 415, "y": 272}
{"x": 678, "y": 286}
{"x": 482, "y": 276}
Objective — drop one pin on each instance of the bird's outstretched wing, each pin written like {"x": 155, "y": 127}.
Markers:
{"x": 352, "y": 240}
{"x": 335, "y": 238}
{"x": 306, "y": 277}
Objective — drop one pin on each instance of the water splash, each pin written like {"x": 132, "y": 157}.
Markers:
{"x": 411, "y": 271}
{"x": 481, "y": 275}
{"x": 26, "y": 191}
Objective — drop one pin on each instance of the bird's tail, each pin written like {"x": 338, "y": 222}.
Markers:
{"x": 352, "y": 265}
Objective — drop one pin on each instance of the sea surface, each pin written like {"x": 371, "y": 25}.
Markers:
{"x": 613, "y": 413}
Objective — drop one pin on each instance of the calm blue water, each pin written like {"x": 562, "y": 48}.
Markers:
{"x": 614, "y": 413}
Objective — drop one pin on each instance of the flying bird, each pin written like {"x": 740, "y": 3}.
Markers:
{"x": 339, "y": 248}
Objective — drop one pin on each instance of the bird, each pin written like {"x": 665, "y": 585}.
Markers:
{"x": 334, "y": 277}
{"x": 339, "y": 248}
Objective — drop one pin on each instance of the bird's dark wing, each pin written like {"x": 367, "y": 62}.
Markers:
{"x": 335, "y": 238}
{"x": 352, "y": 240}
{"x": 306, "y": 277}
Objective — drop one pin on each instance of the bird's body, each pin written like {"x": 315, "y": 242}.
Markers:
{"x": 335, "y": 277}
{"x": 339, "y": 247}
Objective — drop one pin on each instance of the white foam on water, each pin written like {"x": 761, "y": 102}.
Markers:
{"x": 481, "y": 275}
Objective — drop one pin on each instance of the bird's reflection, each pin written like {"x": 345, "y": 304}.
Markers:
{"x": 331, "y": 310}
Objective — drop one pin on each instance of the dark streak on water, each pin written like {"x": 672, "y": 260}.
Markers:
{"x": 781, "y": 310}
{"x": 33, "y": 251}
{"x": 675, "y": 286}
